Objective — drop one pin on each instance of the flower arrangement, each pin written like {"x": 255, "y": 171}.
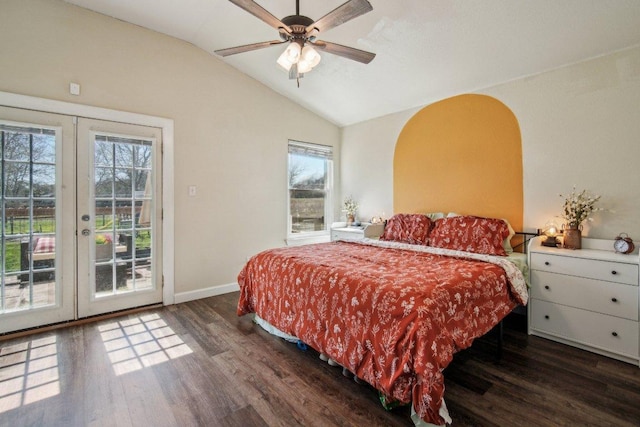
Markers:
{"x": 578, "y": 207}
{"x": 103, "y": 239}
{"x": 350, "y": 206}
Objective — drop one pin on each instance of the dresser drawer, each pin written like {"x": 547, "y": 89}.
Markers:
{"x": 583, "y": 267}
{"x": 608, "y": 333}
{"x": 615, "y": 299}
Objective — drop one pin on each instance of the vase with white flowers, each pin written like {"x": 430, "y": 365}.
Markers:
{"x": 577, "y": 208}
{"x": 350, "y": 207}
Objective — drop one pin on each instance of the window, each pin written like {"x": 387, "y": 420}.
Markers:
{"x": 310, "y": 184}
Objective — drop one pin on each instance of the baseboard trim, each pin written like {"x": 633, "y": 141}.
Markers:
{"x": 205, "y": 293}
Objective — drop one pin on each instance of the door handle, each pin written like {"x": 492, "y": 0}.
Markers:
{"x": 86, "y": 232}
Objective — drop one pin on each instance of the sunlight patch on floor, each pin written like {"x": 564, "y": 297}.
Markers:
{"x": 139, "y": 342}
{"x": 28, "y": 372}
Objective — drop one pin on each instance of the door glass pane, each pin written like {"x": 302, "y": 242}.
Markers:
{"x": 16, "y": 146}
{"x": 16, "y": 178}
{"x": 123, "y": 220}
{"x": 28, "y": 214}
{"x": 124, "y": 154}
{"x": 103, "y": 182}
{"x": 44, "y": 180}
{"x": 123, "y": 182}
{"x": 44, "y": 149}
{"x": 143, "y": 258}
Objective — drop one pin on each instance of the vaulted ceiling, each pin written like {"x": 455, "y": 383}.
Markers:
{"x": 426, "y": 50}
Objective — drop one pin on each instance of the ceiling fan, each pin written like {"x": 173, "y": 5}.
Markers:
{"x": 300, "y": 32}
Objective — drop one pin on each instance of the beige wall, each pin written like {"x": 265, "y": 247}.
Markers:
{"x": 230, "y": 136}
{"x": 367, "y": 162}
{"x": 580, "y": 125}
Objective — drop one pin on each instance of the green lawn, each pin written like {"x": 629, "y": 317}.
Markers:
{"x": 21, "y": 225}
{"x": 13, "y": 256}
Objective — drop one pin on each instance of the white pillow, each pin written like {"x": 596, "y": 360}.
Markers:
{"x": 507, "y": 242}
{"x": 435, "y": 215}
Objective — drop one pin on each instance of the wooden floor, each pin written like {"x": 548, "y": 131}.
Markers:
{"x": 197, "y": 363}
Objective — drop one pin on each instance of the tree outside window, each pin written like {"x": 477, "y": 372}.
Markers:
{"x": 310, "y": 185}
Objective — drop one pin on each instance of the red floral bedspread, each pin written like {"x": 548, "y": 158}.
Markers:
{"x": 393, "y": 317}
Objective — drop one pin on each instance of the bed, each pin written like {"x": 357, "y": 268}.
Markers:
{"x": 392, "y": 311}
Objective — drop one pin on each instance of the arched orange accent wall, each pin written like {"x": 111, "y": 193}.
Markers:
{"x": 463, "y": 155}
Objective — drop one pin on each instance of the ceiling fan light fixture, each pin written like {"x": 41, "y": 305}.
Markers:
{"x": 290, "y": 56}
{"x": 304, "y": 67}
{"x": 299, "y": 58}
{"x": 308, "y": 59}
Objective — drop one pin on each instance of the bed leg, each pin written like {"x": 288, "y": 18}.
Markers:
{"x": 499, "y": 349}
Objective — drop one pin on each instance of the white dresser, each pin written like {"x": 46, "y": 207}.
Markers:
{"x": 339, "y": 231}
{"x": 587, "y": 298}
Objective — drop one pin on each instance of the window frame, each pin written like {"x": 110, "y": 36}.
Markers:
{"x": 325, "y": 151}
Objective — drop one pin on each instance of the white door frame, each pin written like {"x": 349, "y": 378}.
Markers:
{"x": 8, "y": 99}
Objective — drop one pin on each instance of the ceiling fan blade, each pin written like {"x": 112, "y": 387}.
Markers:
{"x": 261, "y": 13}
{"x": 247, "y": 47}
{"x": 340, "y": 15}
{"x": 345, "y": 51}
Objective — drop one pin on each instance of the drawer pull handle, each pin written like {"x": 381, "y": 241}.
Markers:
{"x": 546, "y": 287}
{"x": 614, "y": 272}
{"x": 547, "y": 263}
{"x": 614, "y": 299}
{"x": 615, "y": 334}
{"x": 546, "y": 316}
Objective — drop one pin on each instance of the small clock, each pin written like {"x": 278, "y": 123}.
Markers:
{"x": 623, "y": 244}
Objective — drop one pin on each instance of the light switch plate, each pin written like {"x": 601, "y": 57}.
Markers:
{"x": 74, "y": 88}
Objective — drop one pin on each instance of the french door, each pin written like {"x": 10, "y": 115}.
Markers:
{"x": 118, "y": 216}
{"x": 81, "y": 217}
{"x": 37, "y": 245}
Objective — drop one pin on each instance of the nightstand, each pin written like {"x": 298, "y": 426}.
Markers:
{"x": 587, "y": 298}
{"x": 339, "y": 231}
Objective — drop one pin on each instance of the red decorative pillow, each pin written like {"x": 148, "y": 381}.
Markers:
{"x": 45, "y": 244}
{"x": 408, "y": 228}
{"x": 470, "y": 234}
